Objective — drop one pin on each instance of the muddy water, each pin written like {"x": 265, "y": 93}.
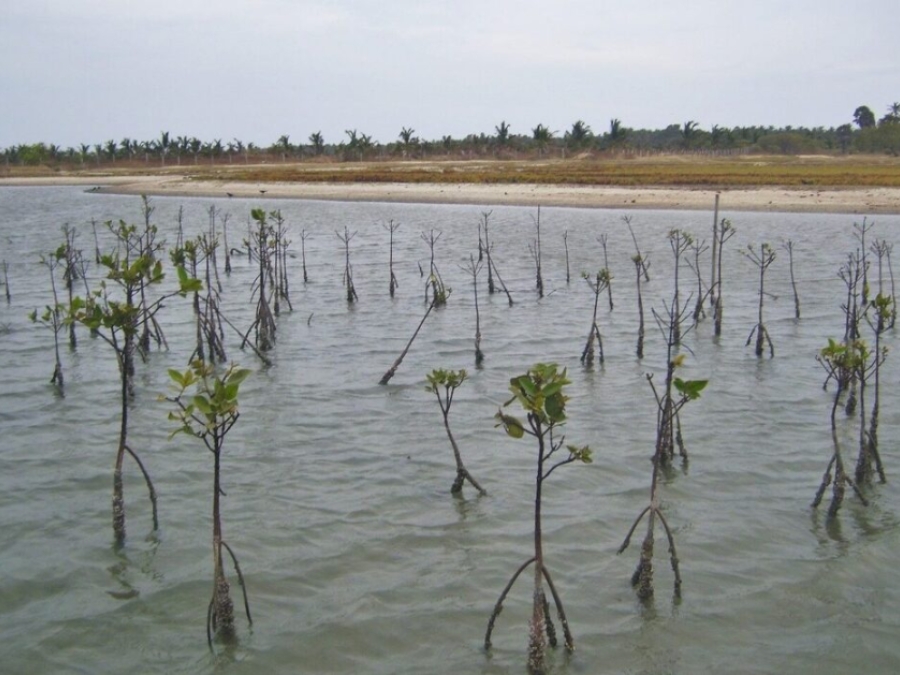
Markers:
{"x": 357, "y": 558}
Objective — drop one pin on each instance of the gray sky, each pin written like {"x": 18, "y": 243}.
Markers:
{"x": 84, "y": 71}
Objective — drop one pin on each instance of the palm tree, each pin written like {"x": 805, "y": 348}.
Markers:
{"x": 98, "y": 152}
{"x": 84, "y": 150}
{"x": 579, "y": 135}
{"x": 617, "y": 132}
{"x": 163, "y": 145}
{"x": 196, "y": 146}
{"x": 541, "y": 136}
{"x": 406, "y": 135}
{"x": 111, "y": 148}
{"x": 318, "y": 142}
{"x": 502, "y": 130}
{"x": 688, "y": 133}
{"x": 239, "y": 148}
{"x": 284, "y": 142}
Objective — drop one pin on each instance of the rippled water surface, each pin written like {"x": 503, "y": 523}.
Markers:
{"x": 357, "y": 558}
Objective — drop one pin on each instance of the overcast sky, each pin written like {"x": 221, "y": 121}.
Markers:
{"x": 84, "y": 71}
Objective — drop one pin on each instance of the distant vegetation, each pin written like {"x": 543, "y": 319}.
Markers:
{"x": 866, "y": 135}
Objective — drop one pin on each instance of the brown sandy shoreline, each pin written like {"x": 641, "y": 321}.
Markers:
{"x": 862, "y": 201}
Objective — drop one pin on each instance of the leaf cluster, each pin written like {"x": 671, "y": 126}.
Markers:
{"x": 213, "y": 408}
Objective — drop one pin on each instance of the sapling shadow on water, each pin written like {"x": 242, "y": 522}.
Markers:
{"x": 762, "y": 259}
{"x": 115, "y": 313}
{"x": 209, "y": 414}
{"x": 597, "y": 285}
{"x": 540, "y": 394}
{"x": 443, "y": 384}
{"x": 676, "y": 393}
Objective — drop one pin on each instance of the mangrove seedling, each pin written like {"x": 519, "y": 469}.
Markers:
{"x": 209, "y": 414}
{"x": 261, "y": 250}
{"x": 348, "y": 269}
{"x": 869, "y": 456}
{"x": 715, "y": 249}
{"x": 391, "y": 227}
{"x": 485, "y": 215}
{"x": 699, "y": 248}
{"x": 566, "y": 246}
{"x": 668, "y": 404}
{"x": 604, "y": 240}
{"x": 540, "y": 394}
{"x": 114, "y": 313}
{"x": 54, "y": 315}
{"x": 637, "y": 249}
{"x": 762, "y": 260}
{"x": 597, "y": 285}
{"x": 726, "y": 232}
{"x": 639, "y": 266}
{"x": 789, "y": 247}
{"x": 304, "y": 235}
{"x": 680, "y": 242}
{"x": 393, "y": 369}
{"x": 443, "y": 384}
{"x": 6, "y": 282}
{"x": 535, "y": 250}
{"x": 837, "y": 358}
{"x": 474, "y": 267}
{"x": 434, "y": 287}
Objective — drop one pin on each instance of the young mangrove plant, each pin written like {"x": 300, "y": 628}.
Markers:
{"x": 604, "y": 242}
{"x": 540, "y": 394}
{"x": 763, "y": 259}
{"x": 348, "y": 269}
{"x": 566, "y": 246}
{"x": 637, "y": 249}
{"x": 279, "y": 277}
{"x": 679, "y": 241}
{"x": 473, "y": 267}
{"x": 209, "y": 414}
{"x": 6, "y": 282}
{"x": 304, "y": 235}
{"x": 393, "y": 369}
{"x": 261, "y": 251}
{"x": 869, "y": 458}
{"x": 391, "y": 227}
{"x": 150, "y": 248}
{"x": 669, "y": 402}
{"x": 789, "y": 247}
{"x": 699, "y": 248}
{"x": 54, "y": 315}
{"x": 73, "y": 269}
{"x": 115, "y": 313}
{"x": 486, "y": 248}
{"x": 639, "y": 266}
{"x": 434, "y": 287}
{"x": 726, "y": 231}
{"x": 443, "y": 384}
{"x": 715, "y": 250}
{"x": 837, "y": 359}
{"x": 597, "y": 285}
{"x": 535, "y": 249}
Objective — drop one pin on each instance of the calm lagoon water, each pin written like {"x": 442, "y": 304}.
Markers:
{"x": 357, "y": 558}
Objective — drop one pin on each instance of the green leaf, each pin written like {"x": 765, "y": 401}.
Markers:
{"x": 511, "y": 425}
{"x": 176, "y": 376}
{"x": 202, "y": 404}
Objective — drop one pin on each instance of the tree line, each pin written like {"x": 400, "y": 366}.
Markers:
{"x": 866, "y": 134}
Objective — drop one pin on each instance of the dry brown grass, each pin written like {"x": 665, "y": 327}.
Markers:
{"x": 671, "y": 171}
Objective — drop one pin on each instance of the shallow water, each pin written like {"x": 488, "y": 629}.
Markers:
{"x": 357, "y": 558}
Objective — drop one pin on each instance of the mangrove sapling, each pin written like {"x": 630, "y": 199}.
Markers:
{"x": 114, "y": 313}
{"x": 726, "y": 232}
{"x": 640, "y": 265}
{"x": 391, "y": 227}
{"x": 637, "y": 249}
{"x": 6, "y": 282}
{"x": 789, "y": 247}
{"x": 261, "y": 251}
{"x": 348, "y": 269}
{"x": 604, "y": 239}
{"x": 668, "y": 429}
{"x": 668, "y": 407}
{"x": 540, "y": 394}
{"x": 860, "y": 232}
{"x": 485, "y": 215}
{"x": 699, "y": 248}
{"x": 443, "y": 384}
{"x": 73, "y": 269}
{"x": 868, "y": 446}
{"x": 715, "y": 248}
{"x": 303, "y": 237}
{"x": 680, "y": 242}
{"x": 837, "y": 358}
{"x": 209, "y": 415}
{"x": 535, "y": 250}
{"x": 150, "y": 328}
{"x": 762, "y": 260}
{"x": 96, "y": 242}
{"x": 597, "y": 285}
{"x": 566, "y": 246}
{"x": 474, "y": 267}
{"x": 435, "y": 285}
{"x": 54, "y": 315}
{"x": 393, "y": 369}
{"x": 225, "y": 243}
